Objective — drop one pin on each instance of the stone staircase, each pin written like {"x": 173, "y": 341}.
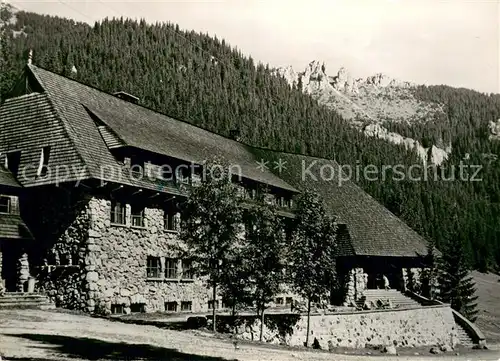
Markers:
{"x": 463, "y": 336}
{"x": 24, "y": 300}
{"x": 396, "y": 298}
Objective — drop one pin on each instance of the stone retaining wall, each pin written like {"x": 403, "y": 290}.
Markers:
{"x": 427, "y": 326}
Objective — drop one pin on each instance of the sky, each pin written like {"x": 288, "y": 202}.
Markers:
{"x": 454, "y": 42}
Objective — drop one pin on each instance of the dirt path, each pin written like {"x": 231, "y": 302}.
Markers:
{"x": 45, "y": 335}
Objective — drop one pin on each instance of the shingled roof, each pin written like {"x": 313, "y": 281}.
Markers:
{"x": 138, "y": 127}
{"x": 373, "y": 229}
{"x": 7, "y": 179}
{"x": 13, "y": 227}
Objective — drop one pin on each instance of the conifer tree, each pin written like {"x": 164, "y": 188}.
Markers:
{"x": 428, "y": 275}
{"x": 456, "y": 285}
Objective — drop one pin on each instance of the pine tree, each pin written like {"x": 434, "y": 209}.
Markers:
{"x": 456, "y": 285}
{"x": 428, "y": 274}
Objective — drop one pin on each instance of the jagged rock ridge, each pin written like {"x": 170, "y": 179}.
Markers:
{"x": 371, "y": 100}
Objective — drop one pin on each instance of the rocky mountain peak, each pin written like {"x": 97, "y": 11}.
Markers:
{"x": 374, "y": 99}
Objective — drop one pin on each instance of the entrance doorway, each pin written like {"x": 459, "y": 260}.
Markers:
{"x": 9, "y": 268}
{"x": 375, "y": 277}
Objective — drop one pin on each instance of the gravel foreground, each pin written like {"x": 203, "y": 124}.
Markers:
{"x": 52, "y": 335}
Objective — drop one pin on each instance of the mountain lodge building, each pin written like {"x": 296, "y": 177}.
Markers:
{"x": 86, "y": 218}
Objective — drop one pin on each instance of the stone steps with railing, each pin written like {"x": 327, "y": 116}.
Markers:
{"x": 469, "y": 335}
{"x": 463, "y": 336}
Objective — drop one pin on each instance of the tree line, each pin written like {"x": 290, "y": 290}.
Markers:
{"x": 203, "y": 80}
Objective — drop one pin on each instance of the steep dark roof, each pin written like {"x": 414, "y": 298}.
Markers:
{"x": 373, "y": 229}
{"x": 27, "y": 124}
{"x": 13, "y": 227}
{"x": 139, "y": 127}
{"x": 7, "y": 179}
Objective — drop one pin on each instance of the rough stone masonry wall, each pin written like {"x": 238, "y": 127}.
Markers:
{"x": 60, "y": 220}
{"x": 403, "y": 328}
{"x": 356, "y": 284}
{"x": 116, "y": 264}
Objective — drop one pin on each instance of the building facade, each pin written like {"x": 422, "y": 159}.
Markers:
{"x": 100, "y": 179}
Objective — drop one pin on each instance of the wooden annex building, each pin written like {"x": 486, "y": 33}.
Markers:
{"x": 85, "y": 218}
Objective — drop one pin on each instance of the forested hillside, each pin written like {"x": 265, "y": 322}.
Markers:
{"x": 203, "y": 80}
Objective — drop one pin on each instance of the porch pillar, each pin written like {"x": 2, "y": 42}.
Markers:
{"x": 23, "y": 272}
{"x": 2, "y": 282}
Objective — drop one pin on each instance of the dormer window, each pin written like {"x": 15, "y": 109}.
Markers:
{"x": 12, "y": 161}
{"x": 5, "y": 206}
{"x": 153, "y": 171}
{"x": 44, "y": 161}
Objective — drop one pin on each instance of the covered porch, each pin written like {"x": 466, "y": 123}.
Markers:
{"x": 15, "y": 244}
{"x": 359, "y": 275}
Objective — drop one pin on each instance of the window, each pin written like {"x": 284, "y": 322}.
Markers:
{"x": 171, "y": 220}
{"x": 4, "y": 204}
{"x": 171, "y": 306}
{"x": 117, "y": 213}
{"x": 251, "y": 193}
{"x": 279, "y": 300}
{"x": 240, "y": 191}
{"x": 152, "y": 171}
{"x": 187, "y": 270}
{"x": 137, "y": 216}
{"x": 289, "y": 301}
{"x": 182, "y": 174}
{"x": 211, "y": 304}
{"x": 12, "y": 161}
{"x": 67, "y": 259}
{"x": 117, "y": 309}
{"x": 196, "y": 177}
{"x": 153, "y": 268}
{"x": 186, "y": 305}
{"x": 137, "y": 307}
{"x": 227, "y": 303}
{"x": 170, "y": 268}
{"x": 44, "y": 161}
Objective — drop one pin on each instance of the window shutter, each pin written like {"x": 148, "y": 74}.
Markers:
{"x": 14, "y": 205}
{"x": 177, "y": 221}
{"x": 40, "y": 164}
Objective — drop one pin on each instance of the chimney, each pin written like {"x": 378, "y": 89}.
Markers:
{"x": 127, "y": 97}
{"x": 235, "y": 134}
